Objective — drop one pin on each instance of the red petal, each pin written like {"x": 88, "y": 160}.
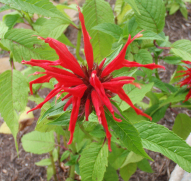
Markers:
{"x": 43, "y": 79}
{"x": 186, "y": 61}
{"x": 66, "y": 58}
{"x": 87, "y": 109}
{"x": 151, "y": 66}
{"x": 74, "y": 117}
{"x": 67, "y": 104}
{"x": 188, "y": 96}
{"x": 87, "y": 45}
{"x": 117, "y": 61}
{"x": 95, "y": 82}
{"x": 55, "y": 91}
{"x": 122, "y": 78}
{"x": 66, "y": 96}
{"x": 77, "y": 91}
{"x": 102, "y": 63}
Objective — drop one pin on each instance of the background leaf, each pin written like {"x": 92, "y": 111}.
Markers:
{"x": 182, "y": 125}
{"x": 152, "y": 15}
{"x": 37, "y": 142}
{"x": 25, "y": 46}
{"x": 110, "y": 174}
{"x": 160, "y": 139}
{"x": 127, "y": 134}
{"x": 127, "y": 171}
{"x": 43, "y": 7}
{"x": 13, "y": 98}
{"x": 93, "y": 162}
{"x": 96, "y": 12}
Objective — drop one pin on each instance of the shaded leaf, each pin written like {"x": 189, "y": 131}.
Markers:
{"x": 127, "y": 171}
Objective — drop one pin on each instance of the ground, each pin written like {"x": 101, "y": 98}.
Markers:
{"x": 23, "y": 168}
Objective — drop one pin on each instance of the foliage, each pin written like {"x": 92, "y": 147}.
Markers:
{"x": 88, "y": 155}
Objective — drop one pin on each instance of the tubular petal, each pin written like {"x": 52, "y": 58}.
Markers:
{"x": 43, "y": 79}
{"x": 74, "y": 116}
{"x": 68, "y": 103}
{"x": 66, "y": 58}
{"x": 87, "y": 45}
{"x": 55, "y": 91}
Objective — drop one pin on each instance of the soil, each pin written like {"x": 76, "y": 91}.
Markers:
{"x": 23, "y": 168}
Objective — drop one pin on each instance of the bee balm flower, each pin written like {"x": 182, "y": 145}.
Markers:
{"x": 187, "y": 80}
{"x": 88, "y": 87}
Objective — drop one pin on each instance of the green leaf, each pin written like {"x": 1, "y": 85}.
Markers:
{"x": 4, "y": 8}
{"x": 174, "y": 7}
{"x": 127, "y": 171}
{"x": 182, "y": 125}
{"x": 65, "y": 40}
{"x": 54, "y": 110}
{"x": 43, "y": 7}
{"x": 95, "y": 13}
{"x": 44, "y": 162}
{"x": 50, "y": 172}
{"x": 150, "y": 35}
{"x": 13, "y": 98}
{"x": 158, "y": 138}
{"x": 62, "y": 120}
{"x": 11, "y": 19}
{"x": 152, "y": 15}
{"x": 136, "y": 95}
{"x": 93, "y": 162}
{"x": 145, "y": 166}
{"x": 181, "y": 53}
{"x": 133, "y": 5}
{"x": 37, "y": 142}
{"x": 65, "y": 155}
{"x": 109, "y": 28}
{"x": 184, "y": 11}
{"x": 3, "y": 29}
{"x": 53, "y": 28}
{"x": 132, "y": 158}
{"x": 143, "y": 57}
{"x": 118, "y": 6}
{"x": 117, "y": 156}
{"x": 110, "y": 174}
{"x": 127, "y": 134}
{"x": 25, "y": 46}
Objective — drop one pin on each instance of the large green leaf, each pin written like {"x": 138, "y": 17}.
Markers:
{"x": 97, "y": 12}
{"x": 3, "y": 29}
{"x": 13, "y": 98}
{"x": 109, "y": 28}
{"x": 93, "y": 162}
{"x": 43, "y": 7}
{"x": 11, "y": 19}
{"x": 53, "y": 28}
{"x": 110, "y": 174}
{"x": 152, "y": 15}
{"x": 160, "y": 139}
{"x": 127, "y": 134}
{"x": 182, "y": 125}
{"x": 37, "y": 142}
{"x": 182, "y": 48}
{"x": 127, "y": 171}
{"x": 25, "y": 46}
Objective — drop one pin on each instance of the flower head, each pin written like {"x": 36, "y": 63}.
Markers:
{"x": 187, "y": 80}
{"x": 89, "y": 87}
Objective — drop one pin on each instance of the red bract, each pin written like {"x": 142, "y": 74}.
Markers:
{"x": 187, "y": 80}
{"x": 88, "y": 87}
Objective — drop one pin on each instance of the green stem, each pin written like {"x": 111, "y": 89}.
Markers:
{"x": 58, "y": 141}
{"x": 28, "y": 19}
{"x": 72, "y": 172}
{"x": 156, "y": 70}
{"x": 11, "y": 61}
{"x": 78, "y": 45}
{"x": 53, "y": 166}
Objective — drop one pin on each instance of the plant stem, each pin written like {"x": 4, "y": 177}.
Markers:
{"x": 11, "y": 61}
{"x": 53, "y": 166}
{"x": 72, "y": 172}
{"x": 156, "y": 70}
{"x": 58, "y": 141}
{"x": 78, "y": 45}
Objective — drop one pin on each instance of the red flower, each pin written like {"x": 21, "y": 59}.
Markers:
{"x": 187, "y": 80}
{"x": 88, "y": 87}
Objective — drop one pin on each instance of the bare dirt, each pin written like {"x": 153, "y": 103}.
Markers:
{"x": 23, "y": 168}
